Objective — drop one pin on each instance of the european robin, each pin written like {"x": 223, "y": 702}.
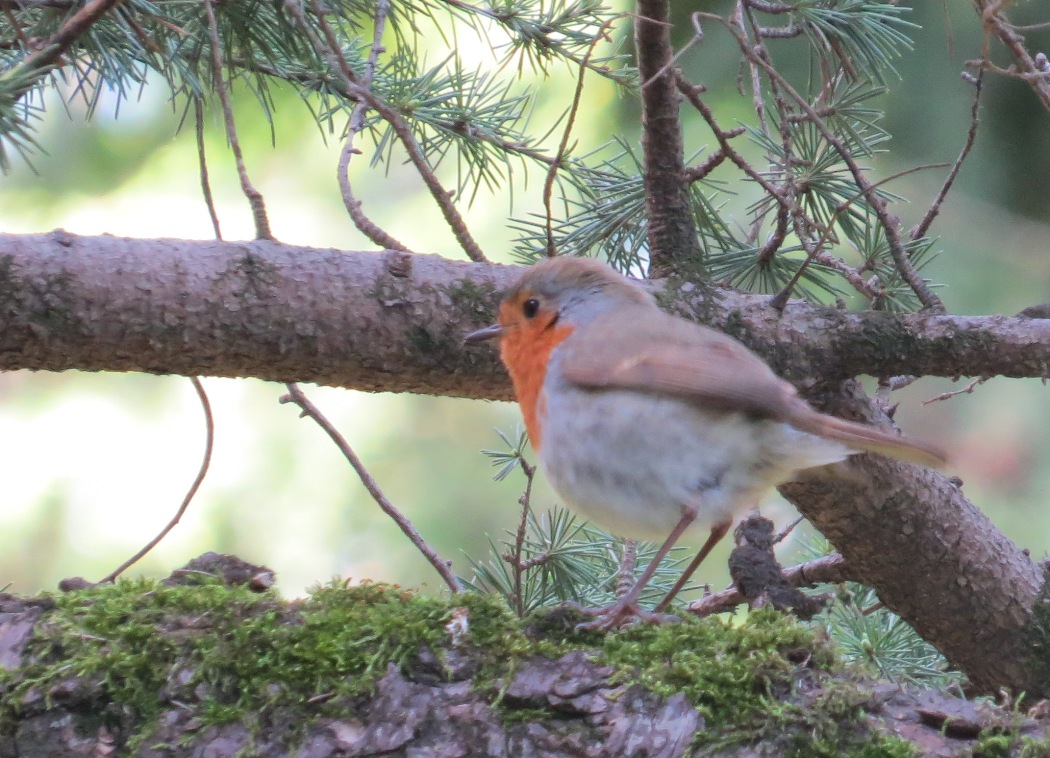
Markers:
{"x": 651, "y": 425}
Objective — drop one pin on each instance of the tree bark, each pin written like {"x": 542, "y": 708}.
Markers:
{"x": 393, "y": 322}
{"x": 673, "y": 243}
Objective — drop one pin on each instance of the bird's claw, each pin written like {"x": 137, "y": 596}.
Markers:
{"x": 618, "y": 616}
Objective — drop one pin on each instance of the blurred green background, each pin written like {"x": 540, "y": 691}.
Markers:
{"x": 94, "y": 465}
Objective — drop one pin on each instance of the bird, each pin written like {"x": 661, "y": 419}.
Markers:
{"x": 653, "y": 426}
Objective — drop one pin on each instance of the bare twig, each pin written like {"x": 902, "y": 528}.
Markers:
{"x": 967, "y": 390}
{"x": 443, "y": 198}
{"x": 515, "y": 560}
{"x": 713, "y": 161}
{"x": 971, "y": 136}
{"x": 509, "y": 146}
{"x": 995, "y": 22}
{"x": 13, "y": 21}
{"x": 559, "y": 158}
{"x": 255, "y": 198}
{"x": 51, "y": 52}
{"x": 202, "y": 160}
{"x": 692, "y": 93}
{"x": 443, "y": 567}
{"x": 357, "y": 120}
{"x": 209, "y": 442}
{"x": 889, "y": 385}
{"x": 828, "y": 569}
{"x": 698, "y": 36}
{"x": 756, "y": 81}
{"x": 784, "y": 533}
{"x": 876, "y": 606}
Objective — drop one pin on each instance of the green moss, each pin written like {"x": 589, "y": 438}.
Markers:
{"x": 1035, "y": 748}
{"x": 728, "y": 672}
{"x": 760, "y": 680}
{"x": 993, "y": 746}
{"x": 882, "y": 746}
{"x": 237, "y": 656}
{"x": 224, "y": 647}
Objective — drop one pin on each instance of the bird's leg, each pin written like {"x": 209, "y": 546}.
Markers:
{"x": 625, "y": 576}
{"x": 718, "y": 531}
{"x": 627, "y": 607}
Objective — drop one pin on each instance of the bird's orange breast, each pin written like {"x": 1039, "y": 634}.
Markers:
{"x": 526, "y": 350}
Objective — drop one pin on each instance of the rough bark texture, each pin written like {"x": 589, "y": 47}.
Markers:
{"x": 383, "y": 322}
{"x": 394, "y": 322}
{"x": 672, "y": 237}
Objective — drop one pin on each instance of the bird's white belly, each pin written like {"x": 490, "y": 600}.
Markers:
{"x": 632, "y": 463}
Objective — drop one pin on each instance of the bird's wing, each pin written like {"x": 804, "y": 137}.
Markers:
{"x": 658, "y": 353}
{"x": 663, "y": 354}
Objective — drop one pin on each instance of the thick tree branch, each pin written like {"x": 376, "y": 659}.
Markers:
{"x": 394, "y": 322}
{"x": 672, "y": 237}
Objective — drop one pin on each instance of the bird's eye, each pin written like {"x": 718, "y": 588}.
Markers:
{"x": 530, "y": 307}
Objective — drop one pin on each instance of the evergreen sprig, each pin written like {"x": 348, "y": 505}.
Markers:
{"x": 871, "y": 635}
{"x": 871, "y": 34}
{"x": 561, "y": 559}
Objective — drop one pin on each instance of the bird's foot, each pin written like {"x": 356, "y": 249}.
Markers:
{"x": 619, "y": 615}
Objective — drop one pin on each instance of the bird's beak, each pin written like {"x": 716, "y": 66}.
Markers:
{"x": 482, "y": 335}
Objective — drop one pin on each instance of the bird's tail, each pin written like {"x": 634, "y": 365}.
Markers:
{"x": 867, "y": 439}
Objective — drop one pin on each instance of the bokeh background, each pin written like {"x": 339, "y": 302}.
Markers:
{"x": 92, "y": 465}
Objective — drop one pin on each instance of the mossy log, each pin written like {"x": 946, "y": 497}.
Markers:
{"x": 212, "y": 663}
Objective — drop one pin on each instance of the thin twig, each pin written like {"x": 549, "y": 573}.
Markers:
{"x": 887, "y": 386}
{"x": 828, "y": 569}
{"x": 515, "y": 560}
{"x": 971, "y": 136}
{"x": 787, "y": 530}
{"x": 698, "y": 36}
{"x": 255, "y": 198}
{"x": 11, "y": 19}
{"x": 967, "y": 390}
{"x": 757, "y": 99}
{"x": 559, "y": 158}
{"x": 692, "y": 93}
{"x": 876, "y": 606}
{"x": 209, "y": 442}
{"x": 363, "y": 223}
{"x": 392, "y": 116}
{"x": 470, "y": 130}
{"x": 198, "y": 114}
{"x": 713, "y": 161}
{"x": 996, "y": 22}
{"x": 51, "y": 52}
{"x": 309, "y": 410}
